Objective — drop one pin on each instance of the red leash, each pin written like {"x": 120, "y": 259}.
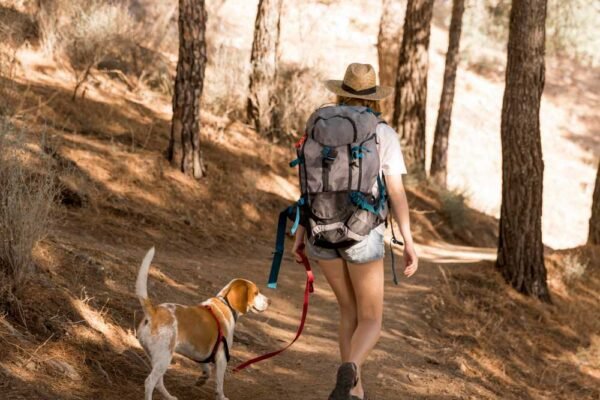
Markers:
{"x": 310, "y": 278}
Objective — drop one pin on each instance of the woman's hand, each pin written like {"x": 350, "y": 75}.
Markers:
{"x": 411, "y": 261}
{"x": 298, "y": 244}
{"x": 399, "y": 205}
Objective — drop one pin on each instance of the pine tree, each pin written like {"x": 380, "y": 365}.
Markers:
{"x": 439, "y": 156}
{"x": 594, "y": 233}
{"x": 388, "y": 47}
{"x": 520, "y": 248}
{"x": 410, "y": 100}
{"x": 184, "y": 146}
{"x": 264, "y": 66}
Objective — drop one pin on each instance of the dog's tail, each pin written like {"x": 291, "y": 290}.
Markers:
{"x": 141, "y": 287}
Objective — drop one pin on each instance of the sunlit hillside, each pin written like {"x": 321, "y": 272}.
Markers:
{"x": 325, "y": 38}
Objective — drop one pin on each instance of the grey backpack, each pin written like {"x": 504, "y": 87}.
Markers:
{"x": 338, "y": 161}
{"x": 338, "y": 164}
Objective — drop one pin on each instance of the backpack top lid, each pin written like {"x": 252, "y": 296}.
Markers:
{"x": 341, "y": 125}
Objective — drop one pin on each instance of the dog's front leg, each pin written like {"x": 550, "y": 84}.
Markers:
{"x": 202, "y": 379}
{"x": 221, "y": 368}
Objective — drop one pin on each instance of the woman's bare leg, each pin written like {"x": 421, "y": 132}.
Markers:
{"x": 336, "y": 273}
{"x": 367, "y": 283}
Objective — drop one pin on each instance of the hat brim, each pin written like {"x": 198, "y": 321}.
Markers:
{"x": 381, "y": 92}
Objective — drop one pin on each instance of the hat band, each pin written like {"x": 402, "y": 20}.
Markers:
{"x": 371, "y": 90}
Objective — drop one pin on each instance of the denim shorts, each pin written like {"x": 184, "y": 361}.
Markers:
{"x": 369, "y": 249}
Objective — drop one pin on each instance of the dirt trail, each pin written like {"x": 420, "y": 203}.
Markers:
{"x": 433, "y": 346}
{"x": 407, "y": 363}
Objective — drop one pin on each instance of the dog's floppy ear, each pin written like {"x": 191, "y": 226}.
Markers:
{"x": 237, "y": 295}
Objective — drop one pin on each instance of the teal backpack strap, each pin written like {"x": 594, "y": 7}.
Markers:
{"x": 296, "y": 162}
{"x": 361, "y": 201}
{"x": 299, "y": 204}
{"x": 280, "y": 239}
{"x": 279, "y": 248}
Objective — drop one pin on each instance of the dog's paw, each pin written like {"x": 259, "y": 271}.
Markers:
{"x": 202, "y": 379}
{"x": 222, "y": 397}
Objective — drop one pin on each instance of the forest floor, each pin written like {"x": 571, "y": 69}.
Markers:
{"x": 453, "y": 331}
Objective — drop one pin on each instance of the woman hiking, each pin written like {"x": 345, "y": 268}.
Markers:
{"x": 350, "y": 253}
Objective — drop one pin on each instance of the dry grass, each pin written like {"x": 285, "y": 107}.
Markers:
{"x": 226, "y": 87}
{"x": 574, "y": 267}
{"x": 512, "y": 341}
{"x": 16, "y": 29}
{"x": 26, "y": 202}
{"x": 300, "y": 91}
{"x": 86, "y": 32}
{"x": 158, "y": 21}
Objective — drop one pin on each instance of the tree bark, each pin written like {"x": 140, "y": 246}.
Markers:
{"x": 594, "y": 233}
{"x": 388, "y": 47}
{"x": 520, "y": 248}
{"x": 439, "y": 156}
{"x": 265, "y": 47}
{"x": 410, "y": 100}
{"x": 184, "y": 146}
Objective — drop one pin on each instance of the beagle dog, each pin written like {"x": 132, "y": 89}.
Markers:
{"x": 203, "y": 332}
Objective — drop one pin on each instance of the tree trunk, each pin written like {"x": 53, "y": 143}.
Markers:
{"x": 184, "y": 146}
{"x": 520, "y": 248}
{"x": 410, "y": 101}
{"x": 439, "y": 156}
{"x": 263, "y": 77}
{"x": 388, "y": 47}
{"x": 594, "y": 234}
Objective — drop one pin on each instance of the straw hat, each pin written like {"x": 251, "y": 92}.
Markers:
{"x": 360, "y": 82}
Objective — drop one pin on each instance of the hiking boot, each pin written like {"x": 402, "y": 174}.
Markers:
{"x": 346, "y": 380}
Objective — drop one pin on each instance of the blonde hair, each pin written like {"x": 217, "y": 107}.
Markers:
{"x": 374, "y": 105}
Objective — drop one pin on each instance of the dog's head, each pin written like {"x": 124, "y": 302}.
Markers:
{"x": 244, "y": 296}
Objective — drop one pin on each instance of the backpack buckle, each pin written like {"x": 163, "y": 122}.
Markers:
{"x": 358, "y": 152}
{"x": 329, "y": 155}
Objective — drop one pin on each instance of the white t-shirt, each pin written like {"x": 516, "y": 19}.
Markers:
{"x": 390, "y": 154}
{"x": 391, "y": 160}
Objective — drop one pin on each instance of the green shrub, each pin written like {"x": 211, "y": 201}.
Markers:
{"x": 571, "y": 30}
{"x": 454, "y": 207}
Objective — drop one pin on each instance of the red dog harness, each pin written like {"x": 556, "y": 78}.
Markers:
{"x": 310, "y": 278}
{"x": 220, "y": 339}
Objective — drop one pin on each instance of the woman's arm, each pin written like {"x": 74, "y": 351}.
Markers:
{"x": 399, "y": 205}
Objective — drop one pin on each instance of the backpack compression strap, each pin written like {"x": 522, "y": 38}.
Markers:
{"x": 394, "y": 240}
{"x": 392, "y": 243}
